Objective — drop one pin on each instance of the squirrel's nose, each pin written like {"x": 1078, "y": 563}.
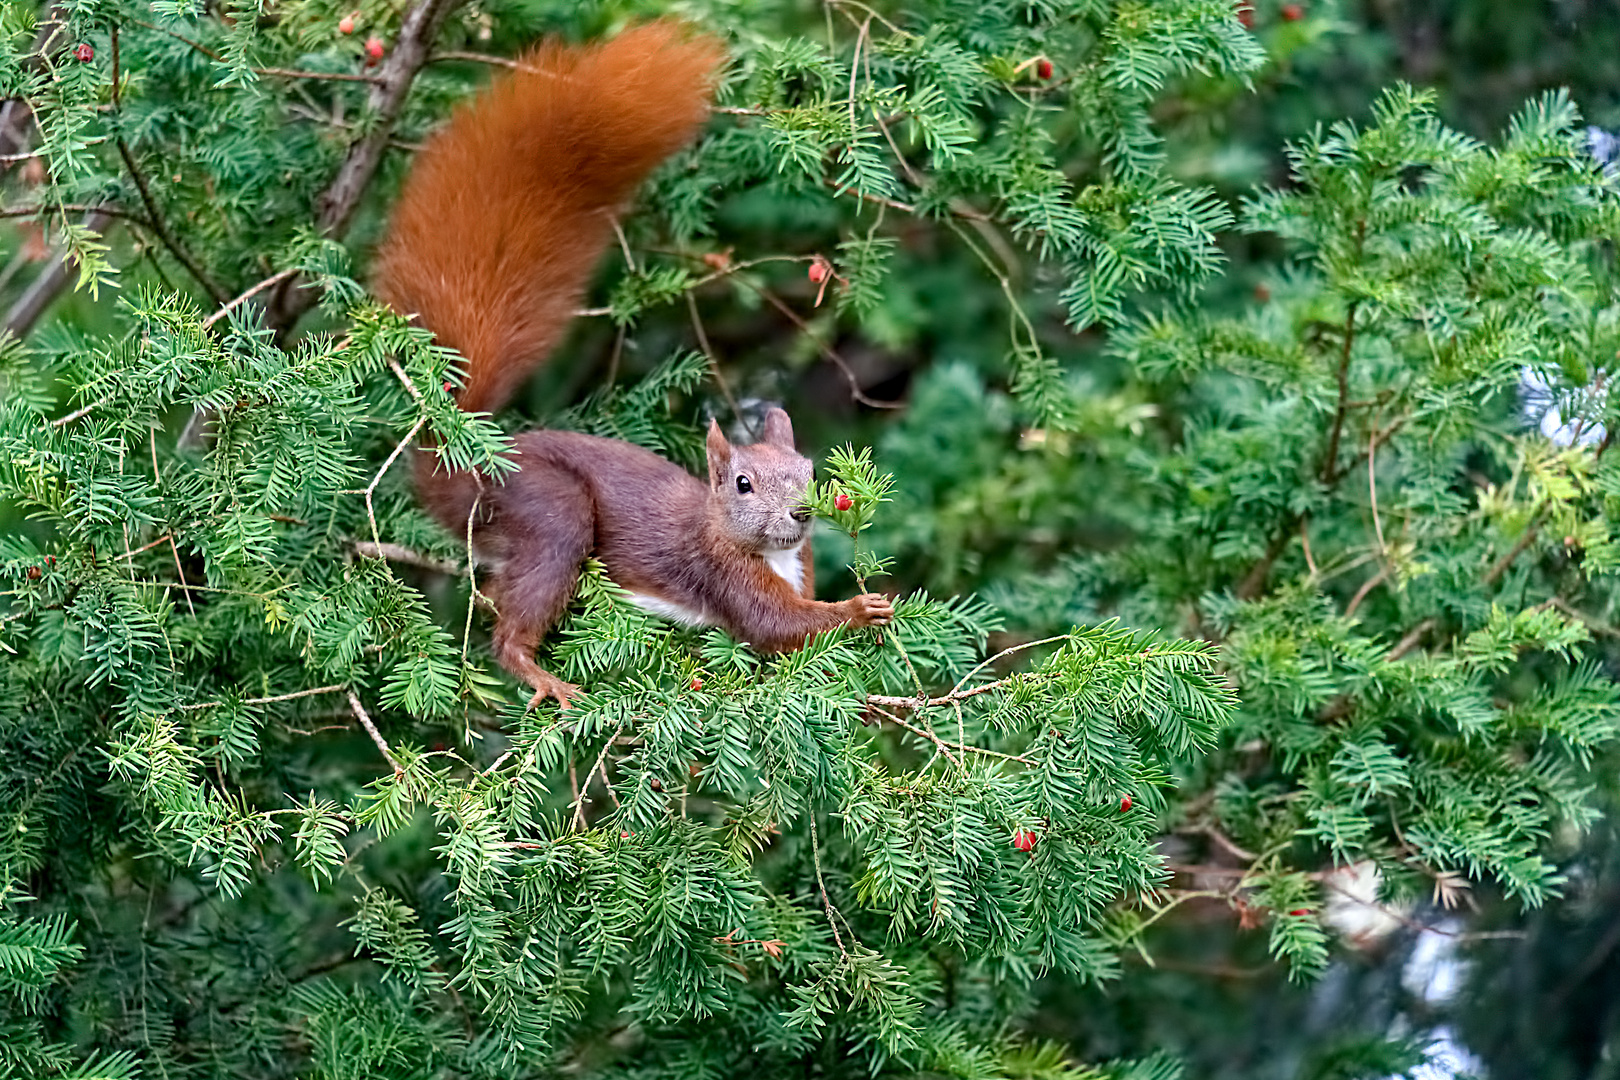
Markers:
{"x": 800, "y": 513}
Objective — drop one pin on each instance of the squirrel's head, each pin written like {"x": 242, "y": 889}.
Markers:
{"x": 758, "y": 491}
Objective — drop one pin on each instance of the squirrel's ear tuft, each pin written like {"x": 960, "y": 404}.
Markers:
{"x": 778, "y": 429}
{"x": 719, "y": 451}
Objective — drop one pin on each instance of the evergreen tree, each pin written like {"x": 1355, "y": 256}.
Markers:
{"x": 1239, "y": 602}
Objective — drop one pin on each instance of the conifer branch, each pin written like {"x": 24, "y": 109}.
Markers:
{"x": 390, "y": 88}
{"x": 272, "y": 72}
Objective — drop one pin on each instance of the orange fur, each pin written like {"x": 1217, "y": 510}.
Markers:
{"x": 509, "y": 207}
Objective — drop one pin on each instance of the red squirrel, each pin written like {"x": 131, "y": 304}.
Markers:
{"x": 491, "y": 244}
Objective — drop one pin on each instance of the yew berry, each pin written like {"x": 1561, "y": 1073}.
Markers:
{"x": 346, "y": 24}
{"x": 1043, "y": 68}
{"x": 843, "y": 502}
{"x": 374, "y": 49}
{"x": 1300, "y": 911}
{"x": 697, "y": 683}
{"x": 624, "y": 835}
{"x": 1245, "y": 15}
{"x": 84, "y": 53}
{"x": 33, "y": 573}
{"x": 819, "y": 270}
{"x": 1292, "y": 12}
{"x": 1024, "y": 840}
{"x": 656, "y": 784}
{"x": 447, "y": 387}
{"x": 1125, "y": 805}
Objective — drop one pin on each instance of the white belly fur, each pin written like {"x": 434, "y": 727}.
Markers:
{"x": 784, "y": 564}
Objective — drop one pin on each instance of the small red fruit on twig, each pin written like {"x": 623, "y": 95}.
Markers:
{"x": 697, "y": 683}
{"x": 448, "y": 388}
{"x": 656, "y": 784}
{"x": 346, "y": 24}
{"x": 1300, "y": 911}
{"x": 1292, "y": 12}
{"x": 1125, "y": 805}
{"x": 84, "y": 53}
{"x": 1024, "y": 840}
{"x": 1245, "y": 14}
{"x": 1043, "y": 68}
{"x": 820, "y": 273}
{"x": 374, "y": 50}
{"x": 625, "y": 835}
{"x": 843, "y": 502}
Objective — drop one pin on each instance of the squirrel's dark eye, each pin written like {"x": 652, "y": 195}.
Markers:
{"x": 744, "y": 486}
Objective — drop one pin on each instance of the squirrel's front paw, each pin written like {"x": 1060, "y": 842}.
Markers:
{"x": 870, "y": 609}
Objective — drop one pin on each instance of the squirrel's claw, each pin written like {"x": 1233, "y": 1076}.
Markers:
{"x": 547, "y": 685}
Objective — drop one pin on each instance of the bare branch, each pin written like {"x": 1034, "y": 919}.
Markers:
{"x": 361, "y": 715}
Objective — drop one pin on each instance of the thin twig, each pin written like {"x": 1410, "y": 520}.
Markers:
{"x": 953, "y": 696}
{"x": 399, "y": 448}
{"x": 267, "y": 283}
{"x": 1366, "y": 587}
{"x": 268, "y": 700}
{"x": 1330, "y": 461}
{"x": 159, "y": 229}
{"x": 826, "y": 350}
{"x": 376, "y": 736}
{"x": 1495, "y": 573}
{"x": 1410, "y": 640}
{"x": 714, "y": 362}
{"x": 821, "y": 883}
{"x": 399, "y": 554}
{"x": 946, "y": 747}
{"x": 580, "y": 794}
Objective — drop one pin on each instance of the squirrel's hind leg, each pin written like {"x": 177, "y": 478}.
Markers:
{"x": 550, "y": 531}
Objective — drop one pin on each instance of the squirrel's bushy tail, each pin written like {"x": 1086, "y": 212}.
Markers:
{"x": 509, "y": 206}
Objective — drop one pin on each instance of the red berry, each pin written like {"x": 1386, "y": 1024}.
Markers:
{"x": 83, "y": 53}
{"x": 34, "y": 573}
{"x": 1300, "y": 911}
{"x": 374, "y": 49}
{"x": 447, "y": 387}
{"x": 1125, "y": 805}
{"x": 819, "y": 270}
{"x": 624, "y": 836}
{"x": 697, "y": 683}
{"x": 1245, "y": 15}
{"x": 843, "y": 502}
{"x": 346, "y": 24}
{"x": 50, "y": 560}
{"x": 1024, "y": 840}
{"x": 1043, "y": 68}
{"x": 1293, "y": 12}
{"x": 656, "y": 784}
